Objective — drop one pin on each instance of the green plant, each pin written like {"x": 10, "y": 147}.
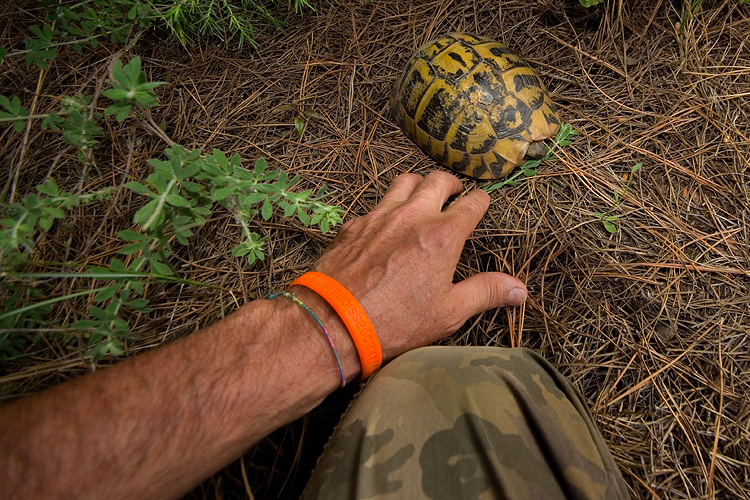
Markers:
{"x": 590, "y": 3}
{"x": 690, "y": 10}
{"x": 14, "y": 112}
{"x": 83, "y": 24}
{"x": 609, "y": 222}
{"x": 183, "y": 189}
{"x": 88, "y": 22}
{"x": 529, "y": 169}
{"x": 220, "y": 18}
{"x": 74, "y": 117}
{"x": 22, "y": 220}
{"x": 129, "y": 87}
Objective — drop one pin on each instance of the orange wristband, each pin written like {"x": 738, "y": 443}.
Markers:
{"x": 351, "y": 313}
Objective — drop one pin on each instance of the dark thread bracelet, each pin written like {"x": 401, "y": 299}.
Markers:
{"x": 294, "y": 299}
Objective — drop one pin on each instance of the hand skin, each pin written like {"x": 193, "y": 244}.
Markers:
{"x": 156, "y": 425}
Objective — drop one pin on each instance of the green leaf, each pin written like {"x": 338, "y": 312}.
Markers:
{"x": 223, "y": 193}
{"x": 138, "y": 305}
{"x": 193, "y": 187}
{"x": 107, "y": 293}
{"x": 289, "y": 208}
{"x": 240, "y": 250}
{"x": 45, "y": 223}
{"x": 252, "y": 199}
{"x": 49, "y": 188}
{"x": 283, "y": 177}
{"x": 111, "y": 346}
{"x": 531, "y": 164}
{"x": 54, "y": 212}
{"x": 151, "y": 85}
{"x": 267, "y": 209}
{"x": 137, "y": 287}
{"x": 303, "y": 216}
{"x": 176, "y": 200}
{"x": 159, "y": 267}
{"x": 260, "y": 166}
{"x": 116, "y": 94}
{"x": 134, "y": 247}
{"x": 235, "y": 161}
{"x": 221, "y": 159}
{"x": 609, "y": 226}
{"x": 115, "y": 347}
{"x": 116, "y": 264}
{"x": 138, "y": 188}
{"x": 85, "y": 324}
{"x": 190, "y": 170}
{"x": 146, "y": 211}
{"x": 121, "y": 110}
{"x": 129, "y": 235}
{"x": 299, "y": 125}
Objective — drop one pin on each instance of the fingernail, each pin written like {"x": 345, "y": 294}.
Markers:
{"x": 516, "y": 297}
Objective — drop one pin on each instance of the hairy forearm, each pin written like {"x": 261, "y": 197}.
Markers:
{"x": 155, "y": 425}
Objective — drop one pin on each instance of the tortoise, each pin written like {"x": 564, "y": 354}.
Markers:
{"x": 474, "y": 105}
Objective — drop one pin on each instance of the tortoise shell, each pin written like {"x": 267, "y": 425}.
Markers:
{"x": 473, "y": 105}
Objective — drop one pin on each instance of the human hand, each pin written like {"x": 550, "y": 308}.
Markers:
{"x": 399, "y": 262}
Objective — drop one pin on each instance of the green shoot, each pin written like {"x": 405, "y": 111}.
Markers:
{"x": 14, "y": 112}
{"x": 129, "y": 86}
{"x": 529, "y": 169}
{"x": 609, "y": 222}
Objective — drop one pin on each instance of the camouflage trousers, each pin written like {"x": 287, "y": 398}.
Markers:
{"x": 467, "y": 423}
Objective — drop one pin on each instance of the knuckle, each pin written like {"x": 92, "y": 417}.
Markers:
{"x": 440, "y": 234}
{"x": 470, "y": 209}
{"x": 445, "y": 179}
{"x": 408, "y": 177}
{"x": 404, "y": 215}
{"x": 442, "y": 175}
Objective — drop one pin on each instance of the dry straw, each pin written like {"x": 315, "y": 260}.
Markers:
{"x": 651, "y": 323}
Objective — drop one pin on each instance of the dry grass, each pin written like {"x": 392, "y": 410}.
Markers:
{"x": 651, "y": 323}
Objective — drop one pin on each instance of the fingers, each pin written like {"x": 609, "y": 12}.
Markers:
{"x": 437, "y": 187}
{"x": 400, "y": 190}
{"x": 485, "y": 291}
{"x": 469, "y": 210}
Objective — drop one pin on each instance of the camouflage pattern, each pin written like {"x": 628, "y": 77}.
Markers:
{"x": 467, "y": 423}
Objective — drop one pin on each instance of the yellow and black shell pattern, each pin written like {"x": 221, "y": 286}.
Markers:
{"x": 473, "y": 105}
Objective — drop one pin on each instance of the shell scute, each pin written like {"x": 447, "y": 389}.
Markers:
{"x": 473, "y": 104}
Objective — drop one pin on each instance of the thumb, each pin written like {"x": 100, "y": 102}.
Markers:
{"x": 490, "y": 290}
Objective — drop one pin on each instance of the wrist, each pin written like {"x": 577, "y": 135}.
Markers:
{"x": 315, "y": 352}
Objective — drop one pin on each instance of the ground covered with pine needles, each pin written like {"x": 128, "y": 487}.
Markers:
{"x": 650, "y": 322}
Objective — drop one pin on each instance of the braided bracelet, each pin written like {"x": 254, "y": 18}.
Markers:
{"x": 297, "y": 301}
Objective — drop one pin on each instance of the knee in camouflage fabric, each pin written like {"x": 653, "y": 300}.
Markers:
{"x": 467, "y": 423}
